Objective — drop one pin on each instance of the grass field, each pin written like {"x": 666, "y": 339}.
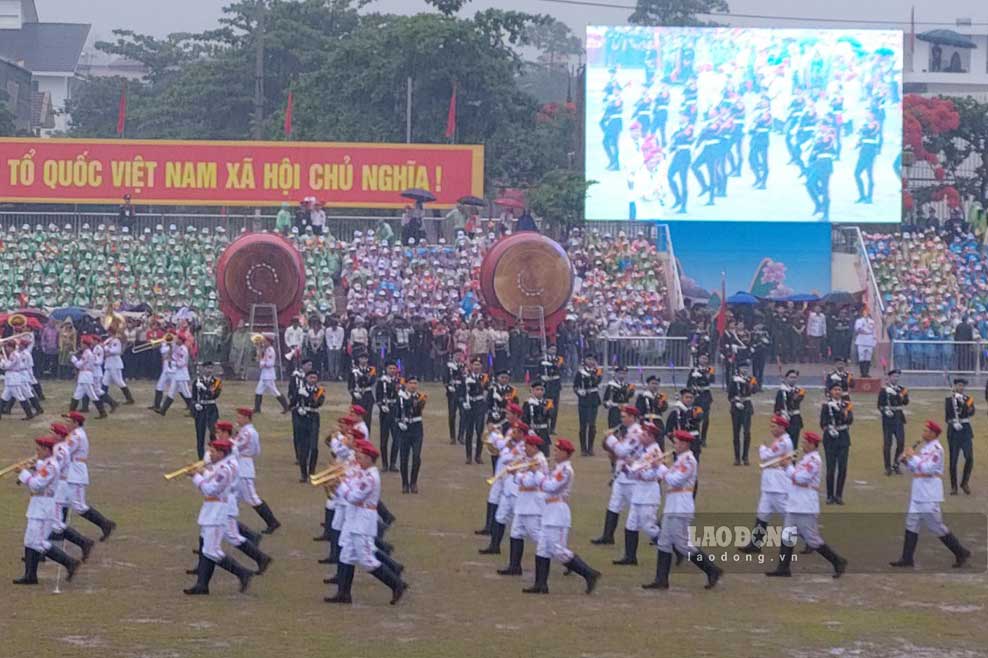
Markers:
{"x": 127, "y": 600}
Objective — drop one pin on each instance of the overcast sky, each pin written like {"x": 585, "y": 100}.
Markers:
{"x": 147, "y": 16}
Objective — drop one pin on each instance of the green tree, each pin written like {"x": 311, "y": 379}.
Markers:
{"x": 559, "y": 200}
{"x": 965, "y": 149}
{"x": 448, "y": 7}
{"x": 554, "y": 41}
{"x": 676, "y": 12}
{"x": 6, "y": 115}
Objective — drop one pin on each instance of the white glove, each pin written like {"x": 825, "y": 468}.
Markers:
{"x": 301, "y": 411}
{"x": 739, "y": 405}
{"x": 198, "y": 407}
{"x": 384, "y": 408}
{"x": 889, "y": 413}
{"x": 958, "y": 426}
{"x": 833, "y": 432}
{"x": 451, "y": 389}
{"x": 403, "y": 426}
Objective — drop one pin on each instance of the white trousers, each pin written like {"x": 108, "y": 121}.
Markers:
{"x": 114, "y": 377}
{"x": 180, "y": 387}
{"x": 865, "y": 352}
{"x": 675, "y": 534}
{"x": 554, "y": 543}
{"x": 265, "y": 386}
{"x": 643, "y": 517}
{"x": 212, "y": 541}
{"x": 359, "y": 550}
{"x": 247, "y": 492}
{"x": 620, "y": 496}
{"x": 505, "y": 509}
{"x": 86, "y": 390}
{"x": 769, "y": 503}
{"x": 36, "y": 534}
{"x": 164, "y": 381}
{"x": 527, "y": 526}
{"x": 927, "y": 514}
{"x": 16, "y": 392}
{"x": 231, "y": 533}
{"x": 806, "y": 527}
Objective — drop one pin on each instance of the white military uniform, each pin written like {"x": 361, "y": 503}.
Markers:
{"x": 775, "y": 482}
{"x": 248, "y": 445}
{"x": 498, "y": 440}
{"x": 167, "y": 370}
{"x": 530, "y": 502}
{"x": 556, "y": 521}
{"x": 78, "y": 477}
{"x": 342, "y": 454}
{"x": 85, "y": 384}
{"x": 864, "y": 338}
{"x": 99, "y": 356}
{"x": 803, "y": 501}
{"x": 180, "y": 376}
{"x": 362, "y": 493}
{"x": 41, "y": 510}
{"x": 27, "y": 369}
{"x": 646, "y": 495}
{"x": 267, "y": 377}
{"x": 113, "y": 364}
{"x": 927, "y": 489}
{"x": 511, "y": 453}
{"x": 13, "y": 387}
{"x": 677, "y": 514}
{"x": 214, "y": 484}
{"x": 62, "y": 455}
{"x": 626, "y": 450}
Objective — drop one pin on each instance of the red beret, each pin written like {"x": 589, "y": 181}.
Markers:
{"x": 347, "y": 420}
{"x": 358, "y": 435}
{"x": 245, "y": 411}
{"x": 86, "y": 340}
{"x": 515, "y": 409}
{"x": 565, "y": 445}
{"x": 224, "y": 445}
{"x": 812, "y": 437}
{"x": 780, "y": 421}
{"x": 934, "y": 427}
{"x": 46, "y": 441}
{"x": 652, "y": 429}
{"x": 368, "y": 449}
{"x": 24, "y": 342}
{"x": 357, "y": 409}
{"x": 533, "y": 440}
{"x": 59, "y": 429}
{"x": 682, "y": 435}
{"x": 630, "y": 410}
{"x": 225, "y": 426}
{"x": 75, "y": 417}
{"x": 521, "y": 425}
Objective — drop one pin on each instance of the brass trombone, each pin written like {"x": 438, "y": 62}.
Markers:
{"x": 329, "y": 475}
{"x": 152, "y": 344}
{"x": 512, "y": 469}
{"x": 790, "y": 456}
{"x": 13, "y": 468}
{"x": 185, "y": 470}
{"x": 15, "y": 337}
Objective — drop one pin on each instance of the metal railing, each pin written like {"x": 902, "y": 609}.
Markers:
{"x": 940, "y": 357}
{"x": 645, "y": 353}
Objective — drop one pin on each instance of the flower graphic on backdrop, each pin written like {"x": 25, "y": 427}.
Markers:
{"x": 769, "y": 280}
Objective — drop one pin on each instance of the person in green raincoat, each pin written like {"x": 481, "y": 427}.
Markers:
{"x": 283, "y": 220}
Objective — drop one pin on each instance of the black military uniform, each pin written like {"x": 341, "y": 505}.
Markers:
{"x": 868, "y": 145}
{"x": 698, "y": 382}
{"x": 550, "y": 372}
{"x": 452, "y": 374}
{"x": 761, "y": 343}
{"x": 758, "y": 146}
{"x": 836, "y": 417}
{"x": 787, "y": 401}
{"x": 586, "y": 385}
{"x": 386, "y": 395}
{"x": 679, "y": 168}
{"x": 820, "y": 168}
{"x": 204, "y": 395}
{"x": 651, "y": 407}
{"x": 305, "y": 418}
{"x": 472, "y": 394}
{"x": 537, "y": 414}
{"x": 498, "y": 398}
{"x": 958, "y": 411}
{"x": 616, "y": 395}
{"x": 844, "y": 379}
{"x": 739, "y": 391}
{"x": 891, "y": 401}
{"x": 295, "y": 383}
{"x": 361, "y": 386}
{"x": 410, "y": 406}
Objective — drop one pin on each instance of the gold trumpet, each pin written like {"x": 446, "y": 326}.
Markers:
{"x": 512, "y": 469}
{"x": 112, "y": 321}
{"x": 13, "y": 468}
{"x": 185, "y": 470}
{"x": 649, "y": 462}
{"x": 491, "y": 448}
{"x": 333, "y": 472}
{"x": 258, "y": 339}
{"x": 17, "y": 320}
{"x": 151, "y": 344}
{"x": 15, "y": 337}
{"x": 779, "y": 460}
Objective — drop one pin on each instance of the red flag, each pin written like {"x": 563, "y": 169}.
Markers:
{"x": 288, "y": 114}
{"x": 722, "y": 313}
{"x": 122, "y": 111}
{"x": 451, "y": 117}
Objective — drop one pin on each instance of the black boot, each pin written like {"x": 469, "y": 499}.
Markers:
{"x": 205, "y": 573}
{"x": 610, "y": 525}
{"x": 28, "y": 411}
{"x": 284, "y": 404}
{"x": 757, "y": 537}
{"x": 251, "y": 550}
{"x": 386, "y": 516}
{"x": 128, "y": 398}
{"x": 107, "y": 400}
{"x": 581, "y": 568}
{"x": 192, "y": 572}
{"x": 84, "y": 406}
{"x": 630, "y": 548}
{"x": 100, "y": 409}
{"x": 392, "y": 580}
{"x": 704, "y": 562}
{"x": 157, "y": 401}
{"x": 100, "y": 521}
{"x": 908, "y": 550}
{"x": 267, "y": 515}
{"x": 30, "y": 577}
{"x": 258, "y": 399}
{"x": 839, "y": 563}
{"x": 961, "y": 554}
{"x": 662, "y": 568}
{"x": 163, "y": 409}
{"x": 242, "y": 573}
{"x": 514, "y": 559}
{"x": 488, "y": 522}
{"x": 249, "y": 535}
{"x": 334, "y": 549}
{"x": 38, "y": 391}
{"x": 327, "y": 526}
{"x": 36, "y": 403}
{"x": 58, "y": 555}
{"x": 541, "y": 584}
{"x": 73, "y": 404}
{"x": 74, "y": 536}
{"x": 497, "y": 534}
{"x": 784, "y": 568}
{"x": 389, "y": 562}
{"x": 344, "y": 581}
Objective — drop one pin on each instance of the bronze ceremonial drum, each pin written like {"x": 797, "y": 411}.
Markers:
{"x": 260, "y": 268}
{"x": 522, "y": 272}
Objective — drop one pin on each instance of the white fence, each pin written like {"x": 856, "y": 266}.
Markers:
{"x": 940, "y": 356}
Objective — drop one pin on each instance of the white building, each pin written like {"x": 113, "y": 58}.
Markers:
{"x": 936, "y": 63}
{"x": 50, "y": 51}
